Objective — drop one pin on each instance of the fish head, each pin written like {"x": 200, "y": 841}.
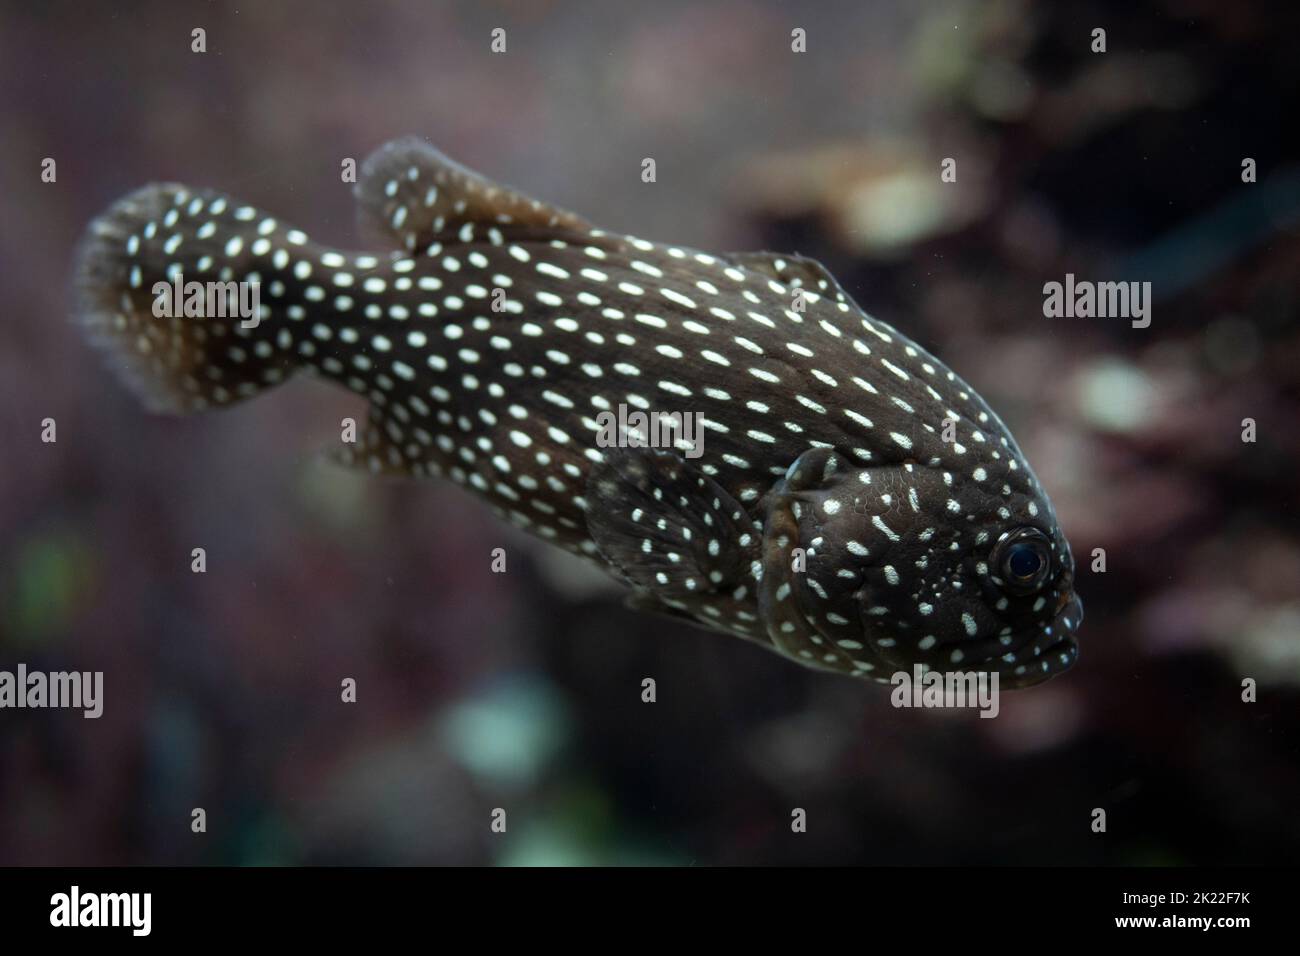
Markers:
{"x": 873, "y": 570}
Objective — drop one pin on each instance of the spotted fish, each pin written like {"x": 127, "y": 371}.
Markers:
{"x": 854, "y": 506}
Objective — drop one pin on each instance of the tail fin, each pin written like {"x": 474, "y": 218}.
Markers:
{"x": 216, "y": 346}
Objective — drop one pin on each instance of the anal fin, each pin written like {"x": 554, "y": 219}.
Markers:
{"x": 382, "y": 447}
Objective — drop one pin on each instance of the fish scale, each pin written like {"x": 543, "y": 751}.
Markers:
{"x": 489, "y": 343}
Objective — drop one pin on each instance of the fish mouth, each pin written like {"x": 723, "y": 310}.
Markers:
{"x": 1022, "y": 658}
{"x": 1050, "y": 652}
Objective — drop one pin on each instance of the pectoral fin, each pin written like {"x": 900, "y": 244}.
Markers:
{"x": 669, "y": 529}
{"x": 787, "y": 626}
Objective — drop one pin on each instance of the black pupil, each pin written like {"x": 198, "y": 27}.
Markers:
{"x": 1024, "y": 561}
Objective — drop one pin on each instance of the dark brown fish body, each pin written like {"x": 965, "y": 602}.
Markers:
{"x": 854, "y": 504}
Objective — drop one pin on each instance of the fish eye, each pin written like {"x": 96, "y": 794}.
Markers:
{"x": 1024, "y": 560}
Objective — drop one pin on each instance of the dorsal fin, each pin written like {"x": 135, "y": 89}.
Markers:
{"x": 792, "y": 270}
{"x": 413, "y": 194}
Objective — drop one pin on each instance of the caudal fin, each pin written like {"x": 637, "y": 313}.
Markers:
{"x": 218, "y": 344}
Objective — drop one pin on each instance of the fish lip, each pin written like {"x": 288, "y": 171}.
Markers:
{"x": 1060, "y": 654}
{"x": 1044, "y": 643}
{"x": 1051, "y": 656}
